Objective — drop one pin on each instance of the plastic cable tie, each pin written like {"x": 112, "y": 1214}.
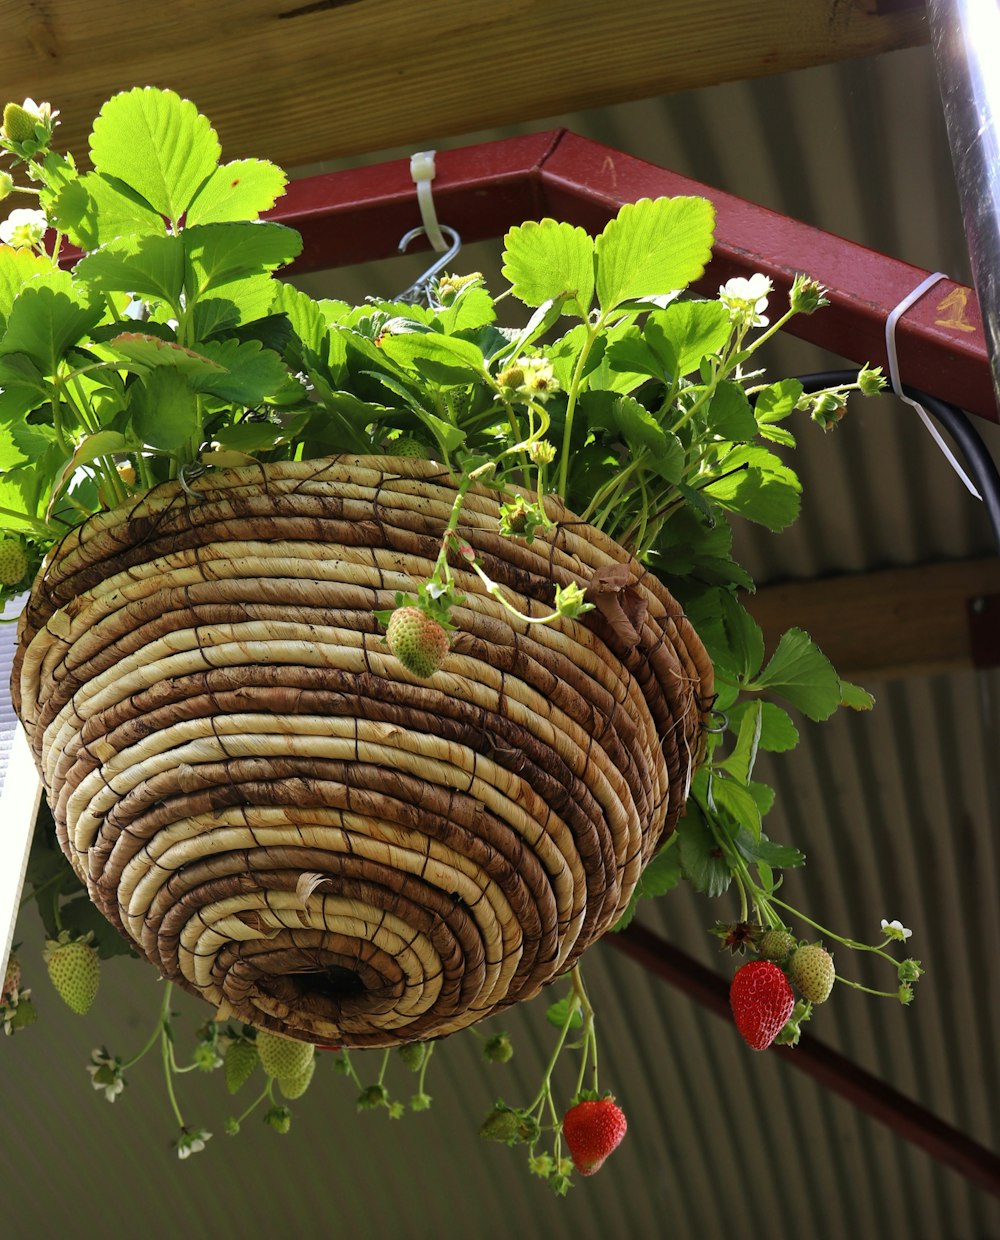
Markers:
{"x": 890, "y": 347}
{"x": 422, "y": 171}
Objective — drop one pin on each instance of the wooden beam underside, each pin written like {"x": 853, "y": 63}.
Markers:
{"x": 299, "y": 81}
{"x": 885, "y": 625}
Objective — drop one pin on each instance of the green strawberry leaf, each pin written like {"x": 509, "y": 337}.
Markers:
{"x": 702, "y": 862}
{"x": 547, "y": 261}
{"x": 779, "y": 856}
{"x": 44, "y": 323}
{"x": 240, "y": 190}
{"x": 855, "y": 697}
{"x": 158, "y": 145}
{"x": 778, "y": 733}
{"x": 739, "y": 803}
{"x": 740, "y": 762}
{"x": 755, "y": 484}
{"x": 558, "y": 1014}
{"x": 147, "y": 266}
{"x": 444, "y": 360}
{"x": 219, "y": 254}
{"x": 799, "y": 672}
{"x": 729, "y": 415}
{"x": 653, "y": 247}
{"x": 164, "y": 409}
{"x": 685, "y": 332}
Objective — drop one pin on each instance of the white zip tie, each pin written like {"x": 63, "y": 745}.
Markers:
{"x": 897, "y": 387}
{"x": 422, "y": 171}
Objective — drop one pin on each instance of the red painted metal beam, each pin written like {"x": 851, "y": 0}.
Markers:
{"x": 834, "y": 1071}
{"x": 359, "y": 215}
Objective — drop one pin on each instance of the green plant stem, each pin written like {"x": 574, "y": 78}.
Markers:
{"x": 544, "y": 1089}
{"x": 853, "y": 944}
{"x": 428, "y": 1051}
{"x": 571, "y": 402}
{"x": 264, "y": 1094}
{"x": 151, "y": 1042}
{"x": 166, "y": 1056}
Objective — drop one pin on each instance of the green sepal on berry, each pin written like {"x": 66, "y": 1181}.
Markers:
{"x": 279, "y": 1118}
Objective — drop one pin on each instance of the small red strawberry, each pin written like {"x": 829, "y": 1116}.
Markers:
{"x": 75, "y": 970}
{"x": 813, "y": 971}
{"x": 417, "y": 640}
{"x": 761, "y": 1000}
{"x": 593, "y": 1129}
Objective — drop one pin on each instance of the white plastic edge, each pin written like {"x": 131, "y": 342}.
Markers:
{"x": 19, "y": 801}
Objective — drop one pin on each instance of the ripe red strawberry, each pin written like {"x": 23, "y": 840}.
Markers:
{"x": 761, "y": 1000}
{"x": 813, "y": 972}
{"x": 75, "y": 970}
{"x": 593, "y": 1129}
{"x": 417, "y": 640}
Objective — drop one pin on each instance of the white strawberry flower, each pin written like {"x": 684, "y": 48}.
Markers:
{"x": 747, "y": 297}
{"x": 189, "y": 1143}
{"x": 23, "y": 228}
{"x": 106, "y": 1073}
{"x": 895, "y": 930}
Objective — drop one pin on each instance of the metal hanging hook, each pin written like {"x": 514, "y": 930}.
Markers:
{"x": 420, "y": 290}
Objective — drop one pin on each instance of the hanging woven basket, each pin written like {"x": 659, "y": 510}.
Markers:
{"x": 283, "y": 820}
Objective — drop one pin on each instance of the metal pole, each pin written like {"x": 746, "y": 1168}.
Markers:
{"x": 965, "y": 35}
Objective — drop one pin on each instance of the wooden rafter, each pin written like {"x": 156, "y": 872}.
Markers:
{"x": 300, "y": 81}
{"x": 888, "y": 624}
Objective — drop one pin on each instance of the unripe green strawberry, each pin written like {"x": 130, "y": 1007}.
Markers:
{"x": 776, "y": 945}
{"x": 406, "y": 445}
{"x": 296, "y": 1086}
{"x": 13, "y": 562}
{"x": 418, "y": 641}
{"x": 498, "y": 1049}
{"x": 761, "y": 1000}
{"x": 74, "y": 969}
{"x": 283, "y": 1057}
{"x": 593, "y": 1129}
{"x": 413, "y": 1055}
{"x": 238, "y": 1064}
{"x": 812, "y": 971}
{"x": 18, "y": 124}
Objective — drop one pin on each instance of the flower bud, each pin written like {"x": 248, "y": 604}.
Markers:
{"x": 807, "y": 295}
{"x": 871, "y": 381}
{"x": 6, "y": 185}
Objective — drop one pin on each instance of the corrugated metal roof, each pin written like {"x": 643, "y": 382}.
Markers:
{"x": 897, "y": 811}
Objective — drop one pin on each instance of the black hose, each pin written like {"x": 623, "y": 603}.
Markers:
{"x": 956, "y": 422}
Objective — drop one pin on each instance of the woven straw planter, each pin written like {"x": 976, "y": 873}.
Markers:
{"x": 283, "y": 820}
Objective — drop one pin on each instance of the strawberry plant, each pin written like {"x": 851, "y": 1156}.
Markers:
{"x": 146, "y": 338}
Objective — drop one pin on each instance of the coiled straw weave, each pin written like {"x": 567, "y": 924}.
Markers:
{"x": 283, "y": 820}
